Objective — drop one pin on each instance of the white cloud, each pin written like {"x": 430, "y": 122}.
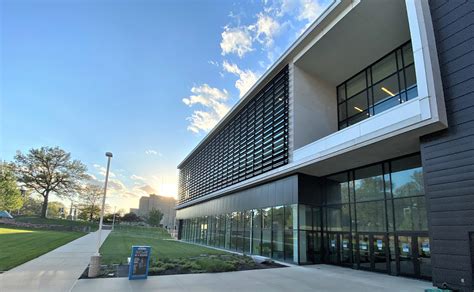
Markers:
{"x": 136, "y": 177}
{"x": 102, "y": 170}
{"x": 213, "y": 107}
{"x": 237, "y": 40}
{"x": 266, "y": 28}
{"x": 309, "y": 10}
{"x": 153, "y": 152}
{"x": 247, "y": 78}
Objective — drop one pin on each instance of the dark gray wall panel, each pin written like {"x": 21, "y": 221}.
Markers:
{"x": 448, "y": 156}
{"x": 276, "y": 193}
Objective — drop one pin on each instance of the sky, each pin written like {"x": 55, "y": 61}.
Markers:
{"x": 144, "y": 79}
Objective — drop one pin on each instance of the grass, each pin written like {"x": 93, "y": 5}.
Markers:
{"x": 169, "y": 256}
{"x": 118, "y": 246}
{"x": 50, "y": 221}
{"x": 21, "y": 245}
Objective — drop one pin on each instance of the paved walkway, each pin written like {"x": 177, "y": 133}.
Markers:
{"x": 57, "y": 270}
{"x": 303, "y": 278}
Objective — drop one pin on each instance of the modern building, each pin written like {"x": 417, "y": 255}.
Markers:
{"x": 166, "y": 205}
{"x": 356, "y": 148}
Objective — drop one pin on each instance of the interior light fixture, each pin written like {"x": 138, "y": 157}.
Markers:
{"x": 358, "y": 109}
{"x": 387, "y": 91}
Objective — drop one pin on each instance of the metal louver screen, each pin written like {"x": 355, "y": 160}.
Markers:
{"x": 253, "y": 142}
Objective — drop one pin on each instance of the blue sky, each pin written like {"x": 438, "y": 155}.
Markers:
{"x": 143, "y": 79}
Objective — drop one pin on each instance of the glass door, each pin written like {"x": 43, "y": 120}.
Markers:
{"x": 406, "y": 256}
{"x": 333, "y": 252}
{"x": 379, "y": 252}
{"x": 424, "y": 257}
{"x": 364, "y": 252}
{"x": 345, "y": 248}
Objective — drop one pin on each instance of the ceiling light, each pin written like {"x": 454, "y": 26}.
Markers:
{"x": 387, "y": 91}
{"x": 358, "y": 109}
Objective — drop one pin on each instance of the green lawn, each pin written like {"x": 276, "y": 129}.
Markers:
{"x": 21, "y": 245}
{"x": 64, "y": 222}
{"x": 118, "y": 246}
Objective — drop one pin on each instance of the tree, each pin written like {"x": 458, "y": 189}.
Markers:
{"x": 49, "y": 170}
{"x": 88, "y": 212}
{"x": 131, "y": 217}
{"x": 154, "y": 217}
{"x": 10, "y": 195}
{"x": 31, "y": 206}
{"x": 91, "y": 198}
{"x": 54, "y": 209}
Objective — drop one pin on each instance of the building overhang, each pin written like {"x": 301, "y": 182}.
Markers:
{"x": 387, "y": 135}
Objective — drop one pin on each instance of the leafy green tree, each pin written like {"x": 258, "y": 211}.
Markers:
{"x": 131, "y": 217}
{"x": 31, "y": 206}
{"x": 50, "y": 170}
{"x": 88, "y": 212}
{"x": 91, "y": 197}
{"x": 10, "y": 195}
{"x": 154, "y": 217}
{"x": 54, "y": 209}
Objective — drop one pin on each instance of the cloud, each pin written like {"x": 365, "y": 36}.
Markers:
{"x": 213, "y": 107}
{"x": 136, "y": 177}
{"x": 237, "y": 40}
{"x": 247, "y": 78}
{"x": 266, "y": 28}
{"x": 102, "y": 170}
{"x": 153, "y": 152}
{"x": 116, "y": 185}
{"x": 309, "y": 10}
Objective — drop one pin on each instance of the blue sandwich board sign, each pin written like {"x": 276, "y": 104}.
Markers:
{"x": 139, "y": 262}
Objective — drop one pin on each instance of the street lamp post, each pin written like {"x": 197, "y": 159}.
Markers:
{"x": 23, "y": 195}
{"x": 113, "y": 220}
{"x": 94, "y": 266}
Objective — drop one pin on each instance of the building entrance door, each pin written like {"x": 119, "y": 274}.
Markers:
{"x": 414, "y": 256}
{"x": 373, "y": 252}
{"x": 339, "y": 249}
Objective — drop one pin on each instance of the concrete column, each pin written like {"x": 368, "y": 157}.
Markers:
{"x": 94, "y": 266}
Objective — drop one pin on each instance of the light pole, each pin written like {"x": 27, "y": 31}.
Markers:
{"x": 23, "y": 196}
{"x": 94, "y": 267}
{"x": 113, "y": 220}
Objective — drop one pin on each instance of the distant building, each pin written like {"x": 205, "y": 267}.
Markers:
{"x": 134, "y": 210}
{"x": 162, "y": 203}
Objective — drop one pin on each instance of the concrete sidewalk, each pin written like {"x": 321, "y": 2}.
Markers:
{"x": 296, "y": 278}
{"x": 57, "y": 270}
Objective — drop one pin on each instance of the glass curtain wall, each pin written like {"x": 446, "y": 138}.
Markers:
{"x": 372, "y": 218}
{"x": 383, "y": 85}
{"x": 270, "y": 232}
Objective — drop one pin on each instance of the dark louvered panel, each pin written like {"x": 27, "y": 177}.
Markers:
{"x": 253, "y": 142}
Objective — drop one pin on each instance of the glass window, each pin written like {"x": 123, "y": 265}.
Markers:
{"x": 386, "y": 89}
{"x": 246, "y": 232}
{"x": 369, "y": 183}
{"x": 256, "y": 231}
{"x": 356, "y": 84}
{"x": 267, "y": 232}
{"x": 338, "y": 218}
{"x": 342, "y": 112}
{"x": 384, "y": 68}
{"x": 410, "y": 76}
{"x": 357, "y": 104}
{"x": 278, "y": 233}
{"x": 306, "y": 217}
{"x": 380, "y": 86}
{"x": 407, "y": 177}
{"x": 337, "y": 189}
{"x": 408, "y": 54}
{"x": 410, "y": 214}
{"x": 370, "y": 216}
{"x": 341, "y": 93}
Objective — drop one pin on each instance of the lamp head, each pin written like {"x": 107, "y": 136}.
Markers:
{"x": 108, "y": 154}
